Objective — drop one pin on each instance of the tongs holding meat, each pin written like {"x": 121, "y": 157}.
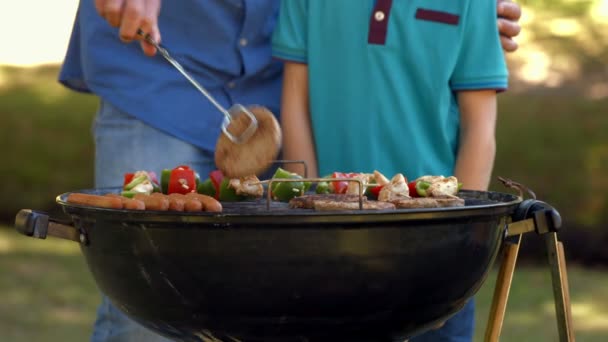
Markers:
{"x": 257, "y": 127}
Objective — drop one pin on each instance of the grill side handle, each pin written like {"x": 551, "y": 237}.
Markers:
{"x": 39, "y": 225}
{"x": 533, "y": 215}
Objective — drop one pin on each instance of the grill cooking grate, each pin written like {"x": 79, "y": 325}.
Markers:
{"x": 259, "y": 206}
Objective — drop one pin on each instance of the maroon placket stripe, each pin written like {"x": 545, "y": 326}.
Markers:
{"x": 442, "y": 17}
{"x": 378, "y": 22}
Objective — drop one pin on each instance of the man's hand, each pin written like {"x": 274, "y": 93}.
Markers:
{"x": 131, "y": 15}
{"x": 508, "y": 23}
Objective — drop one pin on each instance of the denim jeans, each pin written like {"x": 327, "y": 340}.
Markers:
{"x": 126, "y": 144}
{"x": 459, "y": 328}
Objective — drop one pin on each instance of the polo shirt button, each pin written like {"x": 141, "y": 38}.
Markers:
{"x": 231, "y": 85}
{"x": 243, "y": 42}
{"x": 379, "y": 16}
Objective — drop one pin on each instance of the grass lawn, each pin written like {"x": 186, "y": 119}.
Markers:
{"x": 48, "y": 295}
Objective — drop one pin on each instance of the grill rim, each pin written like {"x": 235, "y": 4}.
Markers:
{"x": 497, "y": 204}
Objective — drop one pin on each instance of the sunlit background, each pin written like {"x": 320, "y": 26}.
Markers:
{"x": 552, "y": 136}
{"x": 35, "y": 32}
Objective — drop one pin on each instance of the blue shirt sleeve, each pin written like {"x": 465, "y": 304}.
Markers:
{"x": 289, "y": 41}
{"x": 480, "y": 63}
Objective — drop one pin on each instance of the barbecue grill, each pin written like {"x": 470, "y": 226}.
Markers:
{"x": 260, "y": 271}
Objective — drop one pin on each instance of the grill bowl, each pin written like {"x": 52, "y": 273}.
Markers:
{"x": 291, "y": 274}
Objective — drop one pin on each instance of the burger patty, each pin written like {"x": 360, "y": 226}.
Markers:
{"x": 351, "y": 202}
{"x": 307, "y": 201}
{"x": 428, "y": 202}
{"x": 325, "y": 205}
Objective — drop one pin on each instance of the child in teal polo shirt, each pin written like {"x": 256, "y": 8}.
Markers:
{"x": 397, "y": 86}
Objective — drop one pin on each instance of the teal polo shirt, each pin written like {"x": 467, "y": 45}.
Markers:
{"x": 384, "y": 76}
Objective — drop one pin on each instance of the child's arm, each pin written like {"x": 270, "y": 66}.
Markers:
{"x": 298, "y": 143}
{"x": 477, "y": 138}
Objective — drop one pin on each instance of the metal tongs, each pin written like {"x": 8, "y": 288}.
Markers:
{"x": 229, "y": 114}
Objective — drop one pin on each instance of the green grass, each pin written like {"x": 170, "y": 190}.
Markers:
{"x": 530, "y": 314}
{"x": 49, "y": 295}
{"x": 45, "y": 136}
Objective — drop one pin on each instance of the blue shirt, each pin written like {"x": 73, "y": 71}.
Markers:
{"x": 224, "y": 44}
{"x": 384, "y": 75}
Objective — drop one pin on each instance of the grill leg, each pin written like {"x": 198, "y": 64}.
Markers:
{"x": 561, "y": 291}
{"x": 559, "y": 279}
{"x": 501, "y": 290}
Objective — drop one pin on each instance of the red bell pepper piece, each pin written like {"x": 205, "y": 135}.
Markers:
{"x": 128, "y": 178}
{"x": 339, "y": 187}
{"x": 185, "y": 167}
{"x": 375, "y": 191}
{"x": 216, "y": 177}
{"x": 182, "y": 180}
{"x": 412, "y": 188}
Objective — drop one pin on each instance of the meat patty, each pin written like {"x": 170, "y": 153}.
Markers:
{"x": 325, "y": 205}
{"x": 307, "y": 201}
{"x": 428, "y": 202}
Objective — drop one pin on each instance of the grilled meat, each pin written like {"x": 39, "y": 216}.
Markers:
{"x": 428, "y": 202}
{"x": 307, "y": 201}
{"x": 440, "y": 186}
{"x": 396, "y": 189}
{"x": 247, "y": 186}
{"x": 380, "y": 179}
{"x": 353, "y": 187}
{"x": 326, "y": 205}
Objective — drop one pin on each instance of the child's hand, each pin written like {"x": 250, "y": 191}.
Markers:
{"x": 131, "y": 15}
{"x": 508, "y": 23}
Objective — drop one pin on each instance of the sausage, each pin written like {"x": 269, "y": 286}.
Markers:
{"x": 133, "y": 204}
{"x": 153, "y": 202}
{"x": 191, "y": 204}
{"x": 209, "y": 203}
{"x": 95, "y": 200}
{"x": 129, "y": 203}
{"x": 176, "y": 203}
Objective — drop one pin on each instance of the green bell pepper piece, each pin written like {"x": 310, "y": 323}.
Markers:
{"x": 322, "y": 188}
{"x": 128, "y": 193}
{"x": 165, "y": 175}
{"x": 156, "y": 188}
{"x": 229, "y": 194}
{"x": 206, "y": 188}
{"x": 421, "y": 187}
{"x": 284, "y": 191}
